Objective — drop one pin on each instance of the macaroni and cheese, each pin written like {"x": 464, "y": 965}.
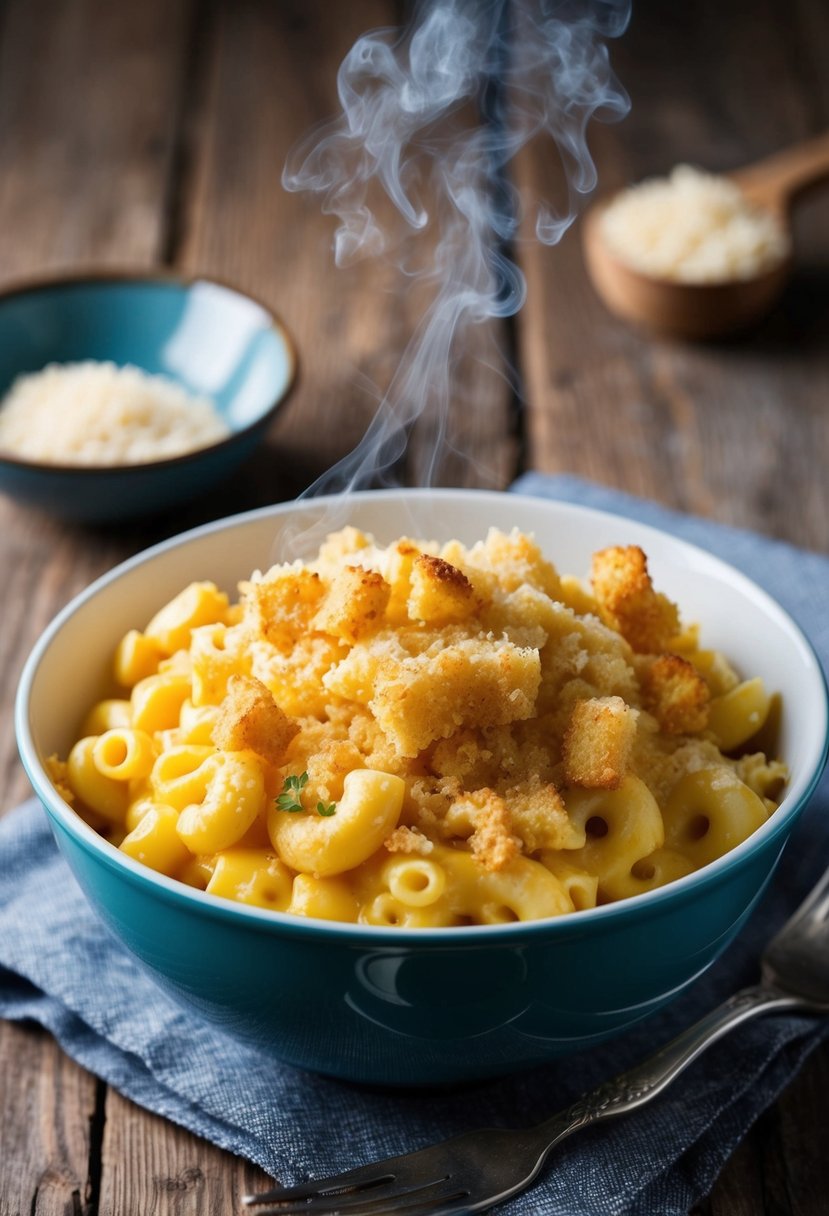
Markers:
{"x": 421, "y": 735}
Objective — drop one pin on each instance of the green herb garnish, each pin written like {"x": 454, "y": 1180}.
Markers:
{"x": 288, "y": 800}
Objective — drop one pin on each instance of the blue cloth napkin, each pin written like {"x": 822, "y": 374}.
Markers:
{"x": 60, "y": 967}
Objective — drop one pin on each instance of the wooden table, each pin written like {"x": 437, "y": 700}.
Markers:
{"x": 154, "y": 134}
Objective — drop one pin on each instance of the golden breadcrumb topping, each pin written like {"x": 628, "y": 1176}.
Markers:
{"x": 408, "y": 840}
{"x": 598, "y": 742}
{"x": 250, "y": 720}
{"x": 281, "y": 606}
{"x": 354, "y": 604}
{"x": 628, "y": 602}
{"x": 482, "y": 818}
{"x": 676, "y": 694}
{"x": 488, "y": 682}
{"x": 440, "y": 592}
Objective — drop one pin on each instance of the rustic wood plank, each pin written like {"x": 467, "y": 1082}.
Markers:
{"x": 271, "y": 77}
{"x": 48, "y": 563}
{"x": 89, "y": 94}
{"x": 150, "y": 1165}
{"x": 725, "y": 430}
{"x": 47, "y": 1126}
{"x": 88, "y": 100}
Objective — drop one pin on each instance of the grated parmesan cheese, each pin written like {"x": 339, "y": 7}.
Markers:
{"x": 693, "y": 227}
{"x": 94, "y": 413}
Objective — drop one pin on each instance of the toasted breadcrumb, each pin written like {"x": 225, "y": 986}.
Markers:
{"x": 354, "y": 604}
{"x": 328, "y": 764}
{"x": 295, "y": 678}
{"x": 515, "y": 558}
{"x": 483, "y": 819}
{"x": 463, "y": 756}
{"x": 440, "y": 592}
{"x": 539, "y": 817}
{"x": 676, "y": 694}
{"x": 408, "y": 840}
{"x": 478, "y": 681}
{"x": 399, "y": 565}
{"x": 628, "y": 602}
{"x": 576, "y": 596}
{"x": 598, "y": 741}
{"x": 250, "y": 720}
{"x": 281, "y": 604}
{"x": 346, "y": 542}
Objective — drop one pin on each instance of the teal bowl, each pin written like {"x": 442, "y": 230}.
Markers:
{"x": 407, "y": 1006}
{"x": 209, "y": 339}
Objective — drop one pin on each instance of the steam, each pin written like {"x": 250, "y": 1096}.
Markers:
{"x": 431, "y": 119}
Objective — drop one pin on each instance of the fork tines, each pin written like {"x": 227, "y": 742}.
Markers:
{"x": 371, "y": 1196}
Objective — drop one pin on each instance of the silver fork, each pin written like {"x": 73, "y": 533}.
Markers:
{"x": 476, "y": 1170}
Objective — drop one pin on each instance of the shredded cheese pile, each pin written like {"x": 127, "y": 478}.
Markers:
{"x": 98, "y": 414}
{"x": 692, "y": 227}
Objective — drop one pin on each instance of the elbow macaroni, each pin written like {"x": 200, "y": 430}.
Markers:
{"x": 422, "y": 737}
{"x": 324, "y": 845}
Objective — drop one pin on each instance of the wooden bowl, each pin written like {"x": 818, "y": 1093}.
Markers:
{"x": 677, "y": 309}
{"x": 718, "y": 309}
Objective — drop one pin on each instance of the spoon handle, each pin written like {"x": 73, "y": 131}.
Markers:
{"x": 774, "y": 182}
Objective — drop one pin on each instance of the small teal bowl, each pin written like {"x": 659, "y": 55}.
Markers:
{"x": 408, "y": 1006}
{"x": 209, "y": 339}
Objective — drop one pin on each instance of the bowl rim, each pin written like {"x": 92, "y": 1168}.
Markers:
{"x": 166, "y": 277}
{"x": 265, "y": 919}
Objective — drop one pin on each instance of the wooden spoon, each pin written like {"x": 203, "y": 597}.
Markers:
{"x": 709, "y": 310}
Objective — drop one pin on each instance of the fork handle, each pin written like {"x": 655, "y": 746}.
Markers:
{"x": 644, "y": 1081}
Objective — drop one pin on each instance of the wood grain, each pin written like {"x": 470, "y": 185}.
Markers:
{"x": 47, "y": 1126}
{"x": 150, "y": 1165}
{"x": 88, "y": 95}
